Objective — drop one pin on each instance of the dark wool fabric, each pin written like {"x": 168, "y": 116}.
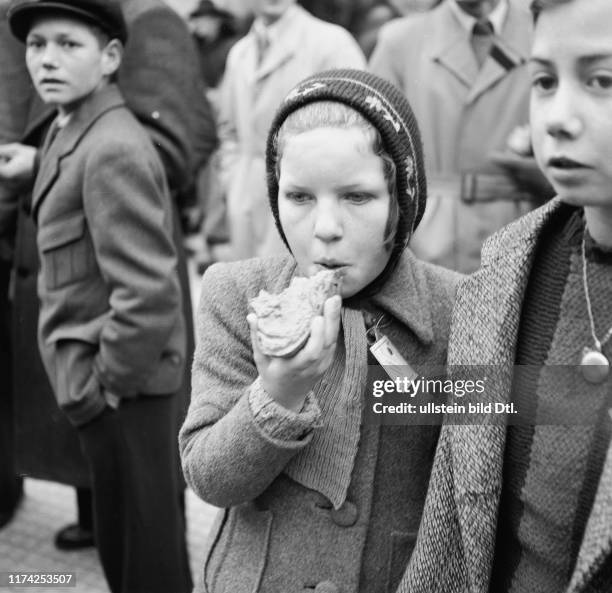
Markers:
{"x": 551, "y": 472}
{"x": 388, "y": 110}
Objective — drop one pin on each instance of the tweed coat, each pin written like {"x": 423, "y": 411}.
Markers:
{"x": 250, "y": 96}
{"x": 456, "y": 542}
{"x": 159, "y": 81}
{"x": 275, "y": 535}
{"x": 464, "y": 115}
{"x": 110, "y": 313}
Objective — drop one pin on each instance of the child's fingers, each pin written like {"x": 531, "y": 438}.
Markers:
{"x": 316, "y": 341}
{"x": 331, "y": 315}
{"x": 257, "y": 354}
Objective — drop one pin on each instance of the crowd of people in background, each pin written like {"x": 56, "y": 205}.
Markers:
{"x": 196, "y": 92}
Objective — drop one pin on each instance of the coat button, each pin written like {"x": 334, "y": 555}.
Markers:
{"x": 326, "y": 587}
{"x": 346, "y": 515}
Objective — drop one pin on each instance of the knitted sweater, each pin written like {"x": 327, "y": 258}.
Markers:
{"x": 553, "y": 460}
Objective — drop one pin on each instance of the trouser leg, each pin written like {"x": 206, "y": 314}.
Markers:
{"x": 10, "y": 483}
{"x": 138, "y": 521}
{"x": 84, "y": 507}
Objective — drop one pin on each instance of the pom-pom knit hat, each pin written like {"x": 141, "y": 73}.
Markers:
{"x": 388, "y": 110}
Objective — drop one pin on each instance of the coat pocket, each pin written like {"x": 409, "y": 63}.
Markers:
{"x": 402, "y": 545}
{"x": 238, "y": 559}
{"x": 67, "y": 253}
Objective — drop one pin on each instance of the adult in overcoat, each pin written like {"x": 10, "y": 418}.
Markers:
{"x": 299, "y": 45}
{"x": 466, "y": 112}
{"x": 457, "y": 538}
{"x": 160, "y": 81}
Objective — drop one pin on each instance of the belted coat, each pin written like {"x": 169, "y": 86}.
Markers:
{"x": 464, "y": 114}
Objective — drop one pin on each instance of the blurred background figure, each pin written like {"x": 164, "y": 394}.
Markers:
{"x": 215, "y": 31}
{"x": 368, "y": 23}
{"x": 284, "y": 45}
{"x": 462, "y": 65}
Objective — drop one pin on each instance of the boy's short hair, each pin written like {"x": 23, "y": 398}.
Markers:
{"x": 537, "y": 6}
{"x": 104, "y": 14}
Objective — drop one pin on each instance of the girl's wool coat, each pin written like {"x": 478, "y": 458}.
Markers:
{"x": 275, "y": 535}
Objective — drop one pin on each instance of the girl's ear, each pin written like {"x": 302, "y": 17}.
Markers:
{"x": 111, "y": 57}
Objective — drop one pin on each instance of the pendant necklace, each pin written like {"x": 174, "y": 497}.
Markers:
{"x": 594, "y": 365}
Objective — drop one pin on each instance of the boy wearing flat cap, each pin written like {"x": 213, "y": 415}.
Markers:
{"x": 111, "y": 329}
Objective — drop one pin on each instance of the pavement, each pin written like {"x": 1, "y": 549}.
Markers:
{"x": 26, "y": 543}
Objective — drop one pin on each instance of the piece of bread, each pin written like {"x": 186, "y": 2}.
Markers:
{"x": 283, "y": 320}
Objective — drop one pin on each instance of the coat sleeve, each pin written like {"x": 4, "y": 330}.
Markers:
{"x": 124, "y": 195}
{"x": 228, "y": 458}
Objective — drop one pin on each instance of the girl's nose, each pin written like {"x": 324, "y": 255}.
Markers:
{"x": 563, "y": 118}
{"x": 328, "y": 223}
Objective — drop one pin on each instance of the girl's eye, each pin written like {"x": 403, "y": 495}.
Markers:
{"x": 543, "y": 82}
{"x": 34, "y": 43}
{"x": 357, "y": 197}
{"x": 298, "y": 197}
{"x": 600, "y": 82}
{"x": 69, "y": 44}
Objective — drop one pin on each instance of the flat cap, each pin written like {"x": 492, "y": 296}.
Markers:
{"x": 106, "y": 14}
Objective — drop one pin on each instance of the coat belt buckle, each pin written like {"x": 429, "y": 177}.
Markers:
{"x": 469, "y": 188}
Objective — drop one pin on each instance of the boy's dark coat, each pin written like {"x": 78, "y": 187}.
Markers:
{"x": 110, "y": 316}
{"x": 158, "y": 79}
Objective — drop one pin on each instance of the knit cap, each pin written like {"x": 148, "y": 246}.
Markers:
{"x": 388, "y": 110}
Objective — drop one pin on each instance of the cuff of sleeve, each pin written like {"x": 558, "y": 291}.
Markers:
{"x": 36, "y": 164}
{"x": 85, "y": 411}
{"x": 277, "y": 421}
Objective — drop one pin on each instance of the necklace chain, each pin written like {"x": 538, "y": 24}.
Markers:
{"x": 598, "y": 344}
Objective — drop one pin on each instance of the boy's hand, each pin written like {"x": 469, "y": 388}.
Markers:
{"x": 288, "y": 380}
{"x": 17, "y": 163}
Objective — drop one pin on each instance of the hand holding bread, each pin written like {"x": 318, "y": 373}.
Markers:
{"x": 294, "y": 336}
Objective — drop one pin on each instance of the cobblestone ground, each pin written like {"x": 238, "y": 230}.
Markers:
{"x": 26, "y": 544}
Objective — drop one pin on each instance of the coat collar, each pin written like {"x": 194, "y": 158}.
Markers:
{"x": 448, "y": 44}
{"x": 284, "y": 45}
{"x": 406, "y": 295}
{"x": 69, "y": 137}
{"x": 485, "y": 331}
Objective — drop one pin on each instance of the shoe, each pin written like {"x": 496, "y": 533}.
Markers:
{"x": 74, "y": 537}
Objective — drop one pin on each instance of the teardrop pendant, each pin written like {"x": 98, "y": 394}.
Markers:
{"x": 594, "y": 366}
